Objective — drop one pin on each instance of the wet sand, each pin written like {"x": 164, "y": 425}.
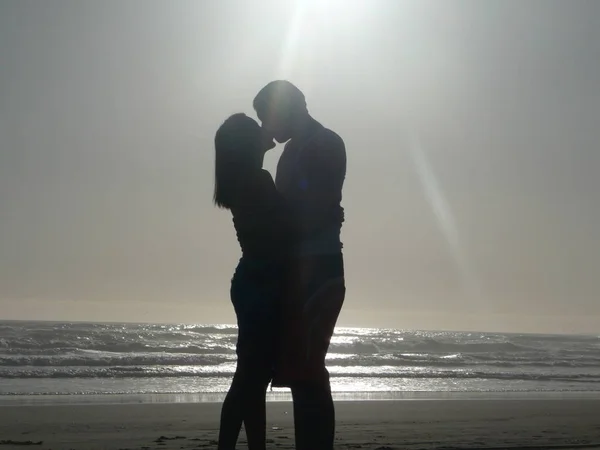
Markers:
{"x": 420, "y": 424}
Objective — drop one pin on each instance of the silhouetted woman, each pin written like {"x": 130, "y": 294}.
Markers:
{"x": 265, "y": 234}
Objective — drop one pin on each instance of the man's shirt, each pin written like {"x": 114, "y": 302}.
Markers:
{"x": 310, "y": 176}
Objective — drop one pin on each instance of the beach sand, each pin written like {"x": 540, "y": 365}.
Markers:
{"x": 425, "y": 424}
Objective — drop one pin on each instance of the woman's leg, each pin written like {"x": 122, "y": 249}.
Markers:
{"x": 253, "y": 299}
{"x": 255, "y": 414}
{"x": 231, "y": 418}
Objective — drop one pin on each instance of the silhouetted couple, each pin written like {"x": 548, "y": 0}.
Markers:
{"x": 288, "y": 288}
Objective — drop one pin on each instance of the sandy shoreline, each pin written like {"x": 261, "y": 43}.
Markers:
{"x": 434, "y": 424}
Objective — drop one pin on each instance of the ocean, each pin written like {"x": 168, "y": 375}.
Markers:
{"x": 78, "y": 359}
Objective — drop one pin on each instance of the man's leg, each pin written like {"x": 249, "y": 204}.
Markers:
{"x": 245, "y": 402}
{"x": 314, "y": 415}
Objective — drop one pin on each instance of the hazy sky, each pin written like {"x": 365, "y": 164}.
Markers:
{"x": 472, "y": 130}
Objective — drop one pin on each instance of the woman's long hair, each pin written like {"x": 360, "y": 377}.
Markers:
{"x": 237, "y": 144}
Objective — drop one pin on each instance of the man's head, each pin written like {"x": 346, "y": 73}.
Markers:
{"x": 279, "y": 106}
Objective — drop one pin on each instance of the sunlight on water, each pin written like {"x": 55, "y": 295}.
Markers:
{"x": 76, "y": 358}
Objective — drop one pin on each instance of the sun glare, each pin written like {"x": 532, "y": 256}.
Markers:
{"x": 314, "y": 22}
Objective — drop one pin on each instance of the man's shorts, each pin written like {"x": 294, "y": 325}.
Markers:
{"x": 310, "y": 309}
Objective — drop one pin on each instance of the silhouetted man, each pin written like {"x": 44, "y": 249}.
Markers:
{"x": 310, "y": 176}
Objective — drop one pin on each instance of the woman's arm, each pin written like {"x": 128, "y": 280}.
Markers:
{"x": 282, "y": 220}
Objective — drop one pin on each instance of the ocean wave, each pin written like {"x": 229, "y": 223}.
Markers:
{"x": 115, "y": 347}
{"x": 100, "y": 360}
{"x": 227, "y": 345}
{"x": 446, "y": 353}
{"x": 115, "y": 338}
{"x": 427, "y": 345}
{"x": 31, "y": 338}
{"x": 67, "y": 350}
{"x": 432, "y": 345}
{"x": 457, "y": 360}
{"x": 227, "y": 371}
{"x": 79, "y": 358}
